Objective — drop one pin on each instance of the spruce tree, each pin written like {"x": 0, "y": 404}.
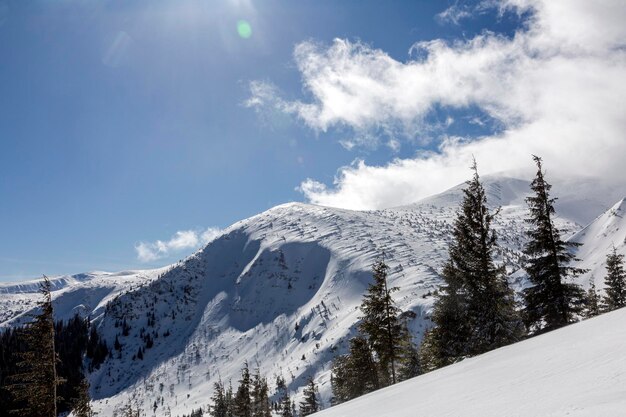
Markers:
{"x": 130, "y": 410}
{"x": 340, "y": 380}
{"x": 242, "y": 406}
{"x": 230, "y": 401}
{"x": 431, "y": 351}
{"x": 550, "y": 301}
{"x": 284, "y": 402}
{"x": 35, "y": 385}
{"x": 592, "y": 302}
{"x": 411, "y": 364}
{"x": 446, "y": 343}
{"x": 82, "y": 405}
{"x": 354, "y": 374}
{"x": 387, "y": 334}
{"x": 309, "y": 403}
{"x": 475, "y": 308}
{"x": 260, "y": 396}
{"x": 220, "y": 406}
{"x": 615, "y": 281}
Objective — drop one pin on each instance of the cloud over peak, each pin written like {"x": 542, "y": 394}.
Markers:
{"x": 180, "y": 241}
{"x": 557, "y": 88}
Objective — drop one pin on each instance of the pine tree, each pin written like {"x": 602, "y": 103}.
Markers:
{"x": 386, "y": 333}
{"x": 220, "y": 406}
{"x": 550, "y": 301}
{"x": 340, "y": 380}
{"x": 130, "y": 410}
{"x": 284, "y": 402}
{"x": 446, "y": 343}
{"x": 615, "y": 281}
{"x": 475, "y": 308}
{"x": 117, "y": 345}
{"x": 310, "y": 403}
{"x": 260, "y": 396}
{"x": 354, "y": 374}
{"x": 592, "y": 302}
{"x": 411, "y": 364}
{"x": 230, "y": 401}
{"x": 242, "y": 406}
{"x": 82, "y": 405}
{"x": 431, "y": 351}
{"x": 36, "y": 382}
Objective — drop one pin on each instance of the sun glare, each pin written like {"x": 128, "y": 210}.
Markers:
{"x": 244, "y": 29}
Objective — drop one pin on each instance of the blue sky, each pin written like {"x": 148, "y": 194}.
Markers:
{"x": 127, "y": 122}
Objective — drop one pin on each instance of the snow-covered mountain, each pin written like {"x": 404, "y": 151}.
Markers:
{"x": 281, "y": 291}
{"x": 576, "y": 371}
{"x": 599, "y": 238}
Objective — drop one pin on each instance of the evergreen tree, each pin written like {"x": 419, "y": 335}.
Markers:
{"x": 130, "y": 410}
{"x": 475, "y": 308}
{"x": 230, "y": 401}
{"x": 354, "y": 374}
{"x": 117, "y": 345}
{"x": 35, "y": 385}
{"x": 446, "y": 343}
{"x": 592, "y": 302}
{"x": 242, "y": 406}
{"x": 615, "y": 281}
{"x": 550, "y": 301}
{"x": 260, "y": 396}
{"x": 310, "y": 403}
{"x": 97, "y": 349}
{"x": 82, "y": 405}
{"x": 431, "y": 351}
{"x": 284, "y": 402}
{"x": 411, "y": 364}
{"x": 340, "y": 380}
{"x": 386, "y": 333}
{"x": 220, "y": 406}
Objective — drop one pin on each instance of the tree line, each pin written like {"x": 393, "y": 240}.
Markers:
{"x": 475, "y": 309}
{"x": 41, "y": 363}
{"x": 251, "y": 398}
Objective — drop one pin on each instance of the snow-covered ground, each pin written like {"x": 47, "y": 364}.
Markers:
{"x": 281, "y": 291}
{"x": 576, "y": 371}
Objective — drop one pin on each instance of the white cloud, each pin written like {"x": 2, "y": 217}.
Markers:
{"x": 182, "y": 240}
{"x": 455, "y": 13}
{"x": 557, "y": 88}
{"x": 210, "y": 234}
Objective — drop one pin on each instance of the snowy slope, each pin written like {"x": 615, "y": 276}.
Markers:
{"x": 577, "y": 371}
{"x": 85, "y": 294}
{"x": 280, "y": 290}
{"x": 598, "y": 239}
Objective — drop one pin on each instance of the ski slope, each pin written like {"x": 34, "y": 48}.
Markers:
{"x": 577, "y": 371}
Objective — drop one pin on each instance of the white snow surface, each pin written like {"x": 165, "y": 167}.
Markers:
{"x": 281, "y": 291}
{"x": 577, "y": 371}
{"x": 598, "y": 239}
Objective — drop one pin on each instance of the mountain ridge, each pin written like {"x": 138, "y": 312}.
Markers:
{"x": 280, "y": 290}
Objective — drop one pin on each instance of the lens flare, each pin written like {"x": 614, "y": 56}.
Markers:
{"x": 244, "y": 29}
